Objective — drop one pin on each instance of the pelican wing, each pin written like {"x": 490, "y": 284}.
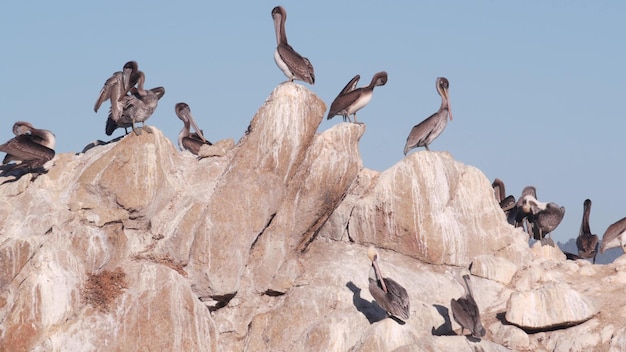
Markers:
{"x": 23, "y": 148}
{"x": 351, "y": 85}
{"x": 395, "y": 301}
{"x": 343, "y": 101}
{"x": 419, "y": 133}
{"x": 300, "y": 66}
{"x": 612, "y": 232}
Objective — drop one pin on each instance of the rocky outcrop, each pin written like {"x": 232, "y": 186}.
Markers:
{"x": 261, "y": 245}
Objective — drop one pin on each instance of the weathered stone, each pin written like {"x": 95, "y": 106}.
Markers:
{"x": 493, "y": 268}
{"x": 550, "y": 306}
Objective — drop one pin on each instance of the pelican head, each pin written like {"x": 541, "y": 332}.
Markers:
{"x": 372, "y": 253}
{"x": 380, "y": 78}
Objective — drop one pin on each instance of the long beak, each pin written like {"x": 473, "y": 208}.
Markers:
{"x": 379, "y": 275}
{"x": 445, "y": 92}
{"x": 195, "y": 127}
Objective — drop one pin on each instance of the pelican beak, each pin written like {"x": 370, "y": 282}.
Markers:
{"x": 195, "y": 127}
{"x": 380, "y": 275}
{"x": 445, "y": 92}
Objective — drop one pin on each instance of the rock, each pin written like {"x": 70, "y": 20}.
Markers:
{"x": 493, "y": 268}
{"x": 553, "y": 305}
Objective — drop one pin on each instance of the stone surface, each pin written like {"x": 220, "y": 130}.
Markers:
{"x": 261, "y": 245}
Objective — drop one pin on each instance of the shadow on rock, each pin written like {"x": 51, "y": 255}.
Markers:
{"x": 444, "y": 329}
{"x": 371, "y": 310}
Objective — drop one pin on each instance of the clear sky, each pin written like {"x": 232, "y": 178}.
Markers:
{"x": 537, "y": 88}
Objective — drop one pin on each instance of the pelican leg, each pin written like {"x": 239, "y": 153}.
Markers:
{"x": 136, "y": 130}
{"x": 427, "y": 147}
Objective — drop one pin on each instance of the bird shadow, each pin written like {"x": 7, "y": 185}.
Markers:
{"x": 99, "y": 143}
{"x": 17, "y": 171}
{"x": 444, "y": 329}
{"x": 371, "y": 310}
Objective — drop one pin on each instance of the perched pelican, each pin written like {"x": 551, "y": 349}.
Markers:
{"x": 426, "y": 131}
{"x": 518, "y": 216}
{"x": 389, "y": 295}
{"x": 465, "y": 311}
{"x": 587, "y": 242}
{"x": 614, "y": 236}
{"x": 506, "y": 202}
{"x": 137, "y": 107}
{"x": 545, "y": 217}
{"x": 352, "y": 99}
{"x": 293, "y": 65}
{"x": 32, "y": 146}
{"x": 186, "y": 140}
{"x": 117, "y": 86}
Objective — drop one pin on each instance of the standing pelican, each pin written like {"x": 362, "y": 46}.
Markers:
{"x": 614, "y": 236}
{"x": 187, "y": 140}
{"x": 388, "y": 294}
{"x": 137, "y": 107}
{"x": 465, "y": 311}
{"x": 117, "y": 86}
{"x": 32, "y": 146}
{"x": 518, "y": 216}
{"x": 351, "y": 99}
{"x": 293, "y": 65}
{"x": 426, "y": 131}
{"x": 587, "y": 242}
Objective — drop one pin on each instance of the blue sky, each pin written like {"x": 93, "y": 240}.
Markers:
{"x": 536, "y": 87}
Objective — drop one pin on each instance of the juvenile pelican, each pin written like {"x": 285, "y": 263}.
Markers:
{"x": 389, "y": 295}
{"x": 137, "y": 107}
{"x": 426, "y": 131}
{"x": 32, "y": 146}
{"x": 614, "y": 236}
{"x": 587, "y": 242}
{"x": 187, "y": 140}
{"x": 351, "y": 99}
{"x": 465, "y": 311}
{"x": 293, "y": 65}
{"x": 117, "y": 86}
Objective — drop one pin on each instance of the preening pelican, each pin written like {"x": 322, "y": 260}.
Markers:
{"x": 117, "y": 86}
{"x": 614, "y": 236}
{"x": 465, "y": 311}
{"x": 293, "y": 65}
{"x": 136, "y": 107}
{"x": 426, "y": 131}
{"x": 389, "y": 295}
{"x": 352, "y": 99}
{"x": 32, "y": 146}
{"x": 187, "y": 140}
{"x": 544, "y": 218}
{"x": 587, "y": 242}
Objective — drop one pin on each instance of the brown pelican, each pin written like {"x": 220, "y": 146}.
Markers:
{"x": 186, "y": 140}
{"x": 351, "y": 99}
{"x": 518, "y": 216}
{"x": 614, "y": 236}
{"x": 465, "y": 311}
{"x": 388, "y": 294}
{"x": 117, "y": 86}
{"x": 426, "y": 131}
{"x": 137, "y": 107}
{"x": 293, "y": 65}
{"x": 32, "y": 146}
{"x": 587, "y": 242}
{"x": 506, "y": 202}
{"x": 544, "y": 218}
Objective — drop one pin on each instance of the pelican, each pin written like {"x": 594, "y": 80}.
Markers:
{"x": 117, "y": 86}
{"x": 388, "y": 294}
{"x": 614, "y": 236}
{"x": 137, "y": 107}
{"x": 465, "y": 311}
{"x": 352, "y": 99}
{"x": 506, "y": 202}
{"x": 32, "y": 146}
{"x": 587, "y": 242}
{"x": 545, "y": 217}
{"x": 293, "y": 65}
{"x": 426, "y": 131}
{"x": 186, "y": 140}
{"x": 518, "y": 217}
